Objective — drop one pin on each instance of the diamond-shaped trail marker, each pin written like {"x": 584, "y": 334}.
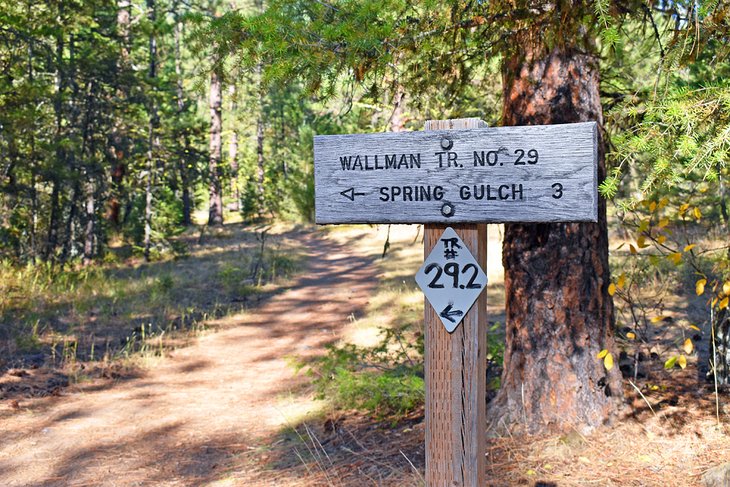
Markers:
{"x": 451, "y": 279}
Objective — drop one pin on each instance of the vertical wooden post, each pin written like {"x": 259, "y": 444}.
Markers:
{"x": 456, "y": 368}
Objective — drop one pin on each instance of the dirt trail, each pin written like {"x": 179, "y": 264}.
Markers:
{"x": 202, "y": 416}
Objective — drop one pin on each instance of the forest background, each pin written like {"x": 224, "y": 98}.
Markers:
{"x": 124, "y": 125}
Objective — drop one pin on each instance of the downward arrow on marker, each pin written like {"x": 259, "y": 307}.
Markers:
{"x": 350, "y": 194}
{"x": 448, "y": 313}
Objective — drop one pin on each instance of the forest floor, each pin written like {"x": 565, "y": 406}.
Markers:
{"x": 229, "y": 408}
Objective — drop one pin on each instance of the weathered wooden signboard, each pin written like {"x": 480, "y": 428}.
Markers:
{"x": 541, "y": 173}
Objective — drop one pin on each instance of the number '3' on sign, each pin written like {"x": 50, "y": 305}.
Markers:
{"x": 451, "y": 279}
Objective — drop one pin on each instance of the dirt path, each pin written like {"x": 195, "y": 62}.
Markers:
{"x": 202, "y": 416}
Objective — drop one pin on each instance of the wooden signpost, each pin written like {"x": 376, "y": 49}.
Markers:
{"x": 456, "y": 176}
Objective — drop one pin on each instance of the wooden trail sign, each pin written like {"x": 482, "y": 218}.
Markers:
{"x": 543, "y": 173}
{"x": 458, "y": 174}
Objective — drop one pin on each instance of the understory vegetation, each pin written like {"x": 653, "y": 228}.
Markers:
{"x": 126, "y": 308}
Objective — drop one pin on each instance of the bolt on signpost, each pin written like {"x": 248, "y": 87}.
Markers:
{"x": 454, "y": 177}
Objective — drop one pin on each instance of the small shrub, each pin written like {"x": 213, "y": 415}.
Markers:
{"x": 385, "y": 380}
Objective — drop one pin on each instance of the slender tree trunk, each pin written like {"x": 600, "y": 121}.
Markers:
{"x": 152, "y": 137}
{"x": 70, "y": 230}
{"x": 33, "y": 190}
{"x": 260, "y": 169}
{"x": 89, "y": 231}
{"x": 182, "y": 161}
{"x": 397, "y": 121}
{"x": 118, "y": 136}
{"x": 215, "y": 215}
{"x": 559, "y": 313}
{"x": 233, "y": 147}
{"x": 52, "y": 239}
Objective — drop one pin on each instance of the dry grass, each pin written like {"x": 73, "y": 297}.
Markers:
{"x": 115, "y": 310}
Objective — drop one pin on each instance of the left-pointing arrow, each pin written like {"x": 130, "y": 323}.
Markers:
{"x": 448, "y": 313}
{"x": 350, "y": 194}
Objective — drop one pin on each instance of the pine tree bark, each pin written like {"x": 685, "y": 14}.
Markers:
{"x": 89, "y": 231}
{"x": 215, "y": 212}
{"x": 153, "y": 140}
{"x": 182, "y": 161}
{"x": 233, "y": 148}
{"x": 260, "y": 170}
{"x": 559, "y": 313}
{"x": 55, "y": 212}
{"x": 119, "y": 140}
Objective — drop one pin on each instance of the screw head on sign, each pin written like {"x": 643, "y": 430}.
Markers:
{"x": 447, "y": 209}
{"x": 446, "y": 142}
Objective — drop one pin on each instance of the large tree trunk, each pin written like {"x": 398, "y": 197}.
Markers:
{"x": 215, "y": 212}
{"x": 559, "y": 313}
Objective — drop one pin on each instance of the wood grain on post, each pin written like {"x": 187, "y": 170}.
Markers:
{"x": 456, "y": 369}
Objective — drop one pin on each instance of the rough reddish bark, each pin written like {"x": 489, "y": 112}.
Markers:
{"x": 559, "y": 313}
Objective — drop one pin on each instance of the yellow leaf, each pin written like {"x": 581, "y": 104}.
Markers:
{"x": 675, "y": 257}
{"x": 683, "y": 208}
{"x": 652, "y": 206}
{"x": 726, "y": 287}
{"x": 632, "y": 249}
{"x": 714, "y": 301}
{"x": 663, "y": 202}
{"x": 531, "y": 472}
{"x": 608, "y": 361}
{"x": 654, "y": 388}
{"x": 644, "y": 226}
{"x": 689, "y": 247}
{"x": 697, "y": 213}
{"x": 688, "y": 346}
{"x": 694, "y": 327}
{"x": 700, "y": 287}
{"x": 611, "y": 289}
{"x": 631, "y": 335}
{"x": 641, "y": 242}
{"x": 657, "y": 319}
{"x": 663, "y": 222}
{"x": 661, "y": 239}
{"x": 621, "y": 281}
{"x": 602, "y": 354}
{"x": 682, "y": 361}
{"x": 724, "y": 302}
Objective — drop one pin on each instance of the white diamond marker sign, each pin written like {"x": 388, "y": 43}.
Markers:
{"x": 451, "y": 279}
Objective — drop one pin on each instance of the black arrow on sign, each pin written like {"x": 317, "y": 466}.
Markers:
{"x": 350, "y": 194}
{"x": 447, "y": 313}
